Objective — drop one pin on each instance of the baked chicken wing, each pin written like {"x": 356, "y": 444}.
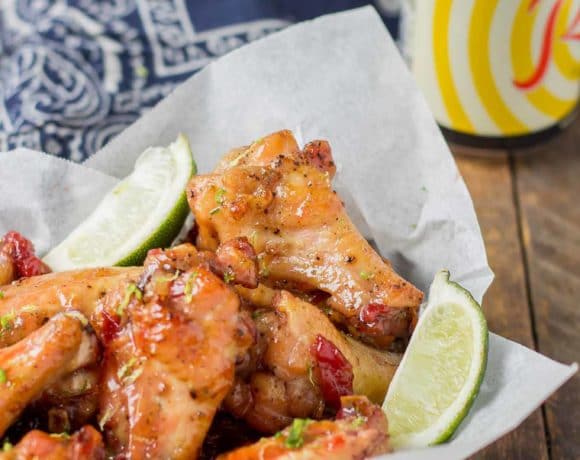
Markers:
{"x": 301, "y": 365}
{"x": 281, "y": 199}
{"x": 359, "y": 431}
{"x": 30, "y": 366}
{"x": 169, "y": 356}
{"x": 86, "y": 444}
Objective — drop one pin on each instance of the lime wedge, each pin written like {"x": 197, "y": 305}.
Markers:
{"x": 442, "y": 369}
{"x": 145, "y": 210}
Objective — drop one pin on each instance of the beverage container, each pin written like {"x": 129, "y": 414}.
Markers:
{"x": 496, "y": 73}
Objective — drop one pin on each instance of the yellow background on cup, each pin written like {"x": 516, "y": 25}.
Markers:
{"x": 468, "y": 54}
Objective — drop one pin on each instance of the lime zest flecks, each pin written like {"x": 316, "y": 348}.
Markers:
{"x": 229, "y": 276}
{"x": 359, "y": 421}
{"x": 106, "y": 417}
{"x": 1, "y": 294}
{"x": 128, "y": 373}
{"x": 295, "y": 438}
{"x": 263, "y": 269}
{"x": 367, "y": 275}
{"x": 6, "y": 321}
{"x": 168, "y": 279}
{"x": 130, "y": 290}
{"x": 219, "y": 196}
{"x": 7, "y": 446}
{"x": 214, "y": 210}
{"x": 3, "y": 376}
{"x": 77, "y": 315}
{"x": 253, "y": 238}
{"x": 188, "y": 288}
{"x": 133, "y": 376}
{"x": 126, "y": 368}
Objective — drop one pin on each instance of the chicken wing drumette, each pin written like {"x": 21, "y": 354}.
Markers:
{"x": 281, "y": 199}
{"x": 170, "y": 344}
{"x": 301, "y": 364}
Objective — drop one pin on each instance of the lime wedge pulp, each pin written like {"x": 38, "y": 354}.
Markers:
{"x": 145, "y": 210}
{"x": 442, "y": 369}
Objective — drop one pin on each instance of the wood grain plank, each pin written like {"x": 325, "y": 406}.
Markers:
{"x": 505, "y": 304}
{"x": 548, "y": 183}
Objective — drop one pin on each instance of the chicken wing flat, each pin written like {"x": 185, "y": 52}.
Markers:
{"x": 28, "y": 303}
{"x": 86, "y": 444}
{"x": 281, "y": 199}
{"x": 359, "y": 431}
{"x": 169, "y": 356}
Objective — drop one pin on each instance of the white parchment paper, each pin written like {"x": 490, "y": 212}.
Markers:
{"x": 340, "y": 78}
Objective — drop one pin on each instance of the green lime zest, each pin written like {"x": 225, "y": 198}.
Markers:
{"x": 295, "y": 438}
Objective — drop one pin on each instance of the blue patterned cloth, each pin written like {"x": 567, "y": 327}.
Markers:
{"x": 75, "y": 73}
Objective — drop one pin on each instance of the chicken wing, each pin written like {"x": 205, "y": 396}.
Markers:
{"x": 281, "y": 199}
{"x": 302, "y": 364}
{"x": 86, "y": 444}
{"x": 169, "y": 356}
{"x": 359, "y": 431}
{"x": 31, "y": 365}
{"x": 28, "y": 303}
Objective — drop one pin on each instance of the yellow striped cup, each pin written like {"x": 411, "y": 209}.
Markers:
{"x": 496, "y": 68}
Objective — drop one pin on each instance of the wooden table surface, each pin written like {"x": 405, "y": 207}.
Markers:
{"x": 528, "y": 205}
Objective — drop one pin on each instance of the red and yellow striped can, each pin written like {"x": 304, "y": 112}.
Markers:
{"x": 497, "y": 68}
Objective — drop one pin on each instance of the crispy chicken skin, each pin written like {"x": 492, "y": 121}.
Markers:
{"x": 359, "y": 431}
{"x": 284, "y": 377}
{"x": 86, "y": 444}
{"x": 169, "y": 357}
{"x": 281, "y": 199}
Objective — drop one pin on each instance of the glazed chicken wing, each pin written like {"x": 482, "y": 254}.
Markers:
{"x": 86, "y": 444}
{"x": 281, "y": 199}
{"x": 301, "y": 365}
{"x": 28, "y": 303}
{"x": 30, "y": 366}
{"x": 170, "y": 348}
{"x": 359, "y": 431}
{"x": 170, "y": 333}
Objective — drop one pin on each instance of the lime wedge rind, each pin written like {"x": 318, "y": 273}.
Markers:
{"x": 443, "y": 294}
{"x": 145, "y": 210}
